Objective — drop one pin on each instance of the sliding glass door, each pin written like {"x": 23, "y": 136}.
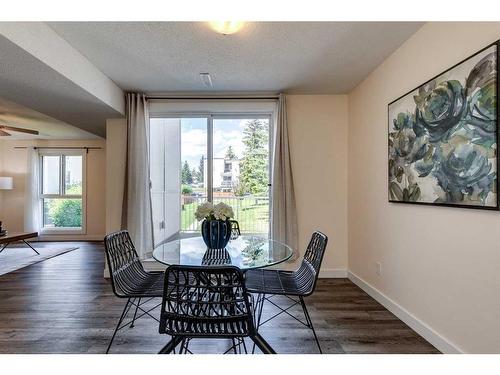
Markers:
{"x": 217, "y": 158}
{"x": 241, "y": 169}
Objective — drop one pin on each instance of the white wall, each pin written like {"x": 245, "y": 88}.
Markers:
{"x": 165, "y": 149}
{"x": 318, "y": 143}
{"x": 440, "y": 264}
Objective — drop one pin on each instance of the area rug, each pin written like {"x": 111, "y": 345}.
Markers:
{"x": 17, "y": 256}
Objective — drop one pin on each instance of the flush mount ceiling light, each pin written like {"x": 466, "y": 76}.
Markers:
{"x": 226, "y": 27}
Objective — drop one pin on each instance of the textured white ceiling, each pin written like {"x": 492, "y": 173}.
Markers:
{"x": 13, "y": 114}
{"x": 295, "y": 57}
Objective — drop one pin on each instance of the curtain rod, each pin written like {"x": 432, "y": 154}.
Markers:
{"x": 60, "y": 148}
{"x": 163, "y": 97}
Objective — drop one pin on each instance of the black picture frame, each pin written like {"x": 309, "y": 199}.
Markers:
{"x": 497, "y": 158}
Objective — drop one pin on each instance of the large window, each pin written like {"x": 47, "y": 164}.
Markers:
{"x": 62, "y": 189}
{"x": 214, "y": 157}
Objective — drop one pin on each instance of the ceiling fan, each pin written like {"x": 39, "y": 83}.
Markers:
{"x": 5, "y": 130}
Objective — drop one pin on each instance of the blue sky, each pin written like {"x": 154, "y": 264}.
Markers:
{"x": 194, "y": 138}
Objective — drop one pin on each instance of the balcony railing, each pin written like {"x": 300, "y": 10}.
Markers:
{"x": 252, "y": 212}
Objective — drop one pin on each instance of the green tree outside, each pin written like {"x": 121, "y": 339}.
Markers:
{"x": 255, "y": 165}
{"x": 186, "y": 189}
{"x": 201, "y": 170}
{"x": 67, "y": 213}
{"x": 186, "y": 174}
{"x": 195, "y": 176}
{"x": 230, "y": 153}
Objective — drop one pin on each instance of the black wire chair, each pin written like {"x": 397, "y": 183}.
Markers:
{"x": 300, "y": 283}
{"x": 207, "y": 302}
{"x": 129, "y": 279}
{"x": 216, "y": 257}
{"x": 235, "y": 229}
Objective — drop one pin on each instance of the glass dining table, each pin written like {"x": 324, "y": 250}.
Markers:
{"x": 244, "y": 252}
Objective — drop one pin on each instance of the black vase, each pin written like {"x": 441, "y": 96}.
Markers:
{"x": 216, "y": 233}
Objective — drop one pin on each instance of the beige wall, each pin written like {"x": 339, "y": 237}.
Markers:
{"x": 14, "y": 162}
{"x": 318, "y": 143}
{"x": 440, "y": 264}
{"x": 116, "y": 154}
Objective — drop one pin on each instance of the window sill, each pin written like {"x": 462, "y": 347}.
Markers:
{"x": 61, "y": 231}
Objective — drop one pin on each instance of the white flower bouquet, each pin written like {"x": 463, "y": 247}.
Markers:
{"x": 209, "y": 211}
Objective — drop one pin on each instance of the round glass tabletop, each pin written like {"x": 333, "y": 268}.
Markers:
{"x": 244, "y": 252}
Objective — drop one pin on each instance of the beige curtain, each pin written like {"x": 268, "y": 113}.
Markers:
{"x": 32, "y": 206}
{"x": 136, "y": 215}
{"x": 283, "y": 213}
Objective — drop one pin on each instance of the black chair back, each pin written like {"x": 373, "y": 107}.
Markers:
{"x": 205, "y": 302}
{"x": 235, "y": 229}
{"x": 307, "y": 274}
{"x": 125, "y": 268}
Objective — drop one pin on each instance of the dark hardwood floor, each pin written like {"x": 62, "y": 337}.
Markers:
{"x": 64, "y": 305}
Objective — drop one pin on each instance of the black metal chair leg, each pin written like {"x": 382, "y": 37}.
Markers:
{"x": 186, "y": 346}
{"x": 184, "y": 349}
{"x": 263, "y": 299}
{"x": 260, "y": 300}
{"x": 167, "y": 349}
{"x": 124, "y": 312}
{"x": 234, "y": 346}
{"x": 135, "y": 313}
{"x": 309, "y": 322}
{"x": 262, "y": 344}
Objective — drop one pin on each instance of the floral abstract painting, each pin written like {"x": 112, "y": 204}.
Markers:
{"x": 443, "y": 137}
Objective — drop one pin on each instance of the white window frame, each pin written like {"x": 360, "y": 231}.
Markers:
{"x": 220, "y": 109}
{"x": 63, "y": 152}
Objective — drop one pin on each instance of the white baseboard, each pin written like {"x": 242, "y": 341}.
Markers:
{"x": 440, "y": 342}
{"x": 333, "y": 273}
